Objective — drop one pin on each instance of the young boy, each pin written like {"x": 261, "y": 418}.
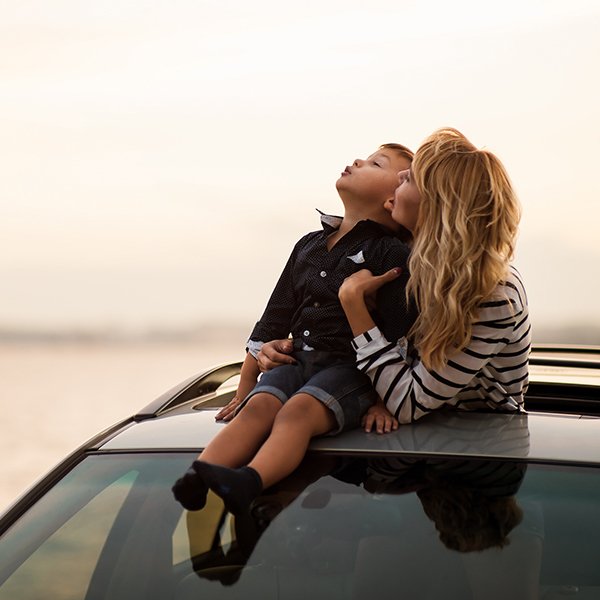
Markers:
{"x": 322, "y": 392}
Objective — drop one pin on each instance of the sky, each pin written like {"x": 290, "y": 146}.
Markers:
{"x": 158, "y": 160}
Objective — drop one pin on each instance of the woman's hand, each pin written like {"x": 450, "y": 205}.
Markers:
{"x": 274, "y": 354}
{"x": 357, "y": 296}
{"x": 363, "y": 284}
{"x": 379, "y": 416}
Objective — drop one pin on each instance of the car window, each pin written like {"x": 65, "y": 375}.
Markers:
{"x": 87, "y": 536}
{"x": 48, "y": 571}
{"x": 339, "y": 528}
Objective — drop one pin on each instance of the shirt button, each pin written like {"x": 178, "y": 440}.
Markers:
{"x": 306, "y": 333}
{"x": 317, "y": 304}
{"x": 323, "y": 274}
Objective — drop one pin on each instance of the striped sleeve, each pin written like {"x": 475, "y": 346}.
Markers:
{"x": 491, "y": 372}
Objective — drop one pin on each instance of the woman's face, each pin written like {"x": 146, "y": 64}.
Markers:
{"x": 406, "y": 202}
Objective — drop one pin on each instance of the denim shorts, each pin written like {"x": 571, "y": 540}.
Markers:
{"x": 330, "y": 377}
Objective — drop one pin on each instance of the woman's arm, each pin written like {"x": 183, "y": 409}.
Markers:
{"x": 274, "y": 354}
{"x": 357, "y": 293}
{"x": 410, "y": 391}
{"x": 357, "y": 297}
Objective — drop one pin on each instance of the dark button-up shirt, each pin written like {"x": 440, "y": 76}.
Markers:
{"x": 305, "y": 300}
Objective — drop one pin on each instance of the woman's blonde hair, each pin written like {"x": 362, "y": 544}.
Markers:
{"x": 464, "y": 239}
{"x": 467, "y": 520}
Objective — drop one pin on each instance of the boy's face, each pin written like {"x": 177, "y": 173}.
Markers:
{"x": 374, "y": 179}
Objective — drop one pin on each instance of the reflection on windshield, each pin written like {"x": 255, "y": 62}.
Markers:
{"x": 374, "y": 518}
{"x": 342, "y": 527}
{"x": 471, "y": 503}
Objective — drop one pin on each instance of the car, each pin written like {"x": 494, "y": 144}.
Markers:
{"x": 457, "y": 505}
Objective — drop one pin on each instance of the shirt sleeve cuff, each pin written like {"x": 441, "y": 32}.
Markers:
{"x": 362, "y": 340}
{"x": 254, "y": 346}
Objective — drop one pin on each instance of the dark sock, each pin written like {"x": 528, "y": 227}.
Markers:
{"x": 238, "y": 488}
{"x": 190, "y": 491}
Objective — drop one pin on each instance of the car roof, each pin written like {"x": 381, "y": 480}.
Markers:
{"x": 562, "y": 424}
{"x": 536, "y": 437}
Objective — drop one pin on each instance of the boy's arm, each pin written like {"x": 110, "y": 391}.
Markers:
{"x": 275, "y": 322}
{"x": 248, "y": 376}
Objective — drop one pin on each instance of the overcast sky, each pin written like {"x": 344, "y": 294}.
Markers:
{"x": 160, "y": 159}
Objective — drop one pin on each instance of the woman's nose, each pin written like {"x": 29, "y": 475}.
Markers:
{"x": 358, "y": 162}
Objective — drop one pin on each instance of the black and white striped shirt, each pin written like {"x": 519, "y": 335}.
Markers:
{"x": 491, "y": 372}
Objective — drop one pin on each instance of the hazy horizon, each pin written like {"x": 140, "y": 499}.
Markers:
{"x": 225, "y": 333}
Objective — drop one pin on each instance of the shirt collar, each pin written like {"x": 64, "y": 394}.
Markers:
{"x": 331, "y": 223}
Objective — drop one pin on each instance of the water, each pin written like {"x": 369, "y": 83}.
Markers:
{"x": 55, "y": 397}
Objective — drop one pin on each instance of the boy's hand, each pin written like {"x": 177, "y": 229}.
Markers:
{"x": 228, "y": 412}
{"x": 274, "y": 354}
{"x": 380, "y": 417}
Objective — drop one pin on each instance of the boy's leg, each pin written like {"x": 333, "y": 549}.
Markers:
{"x": 234, "y": 446}
{"x": 301, "y": 418}
{"x": 333, "y": 400}
{"x": 237, "y": 443}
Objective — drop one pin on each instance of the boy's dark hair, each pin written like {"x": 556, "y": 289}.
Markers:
{"x": 400, "y": 149}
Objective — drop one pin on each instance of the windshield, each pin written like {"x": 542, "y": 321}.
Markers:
{"x": 338, "y": 528}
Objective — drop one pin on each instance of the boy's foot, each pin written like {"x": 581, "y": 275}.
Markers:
{"x": 238, "y": 488}
{"x": 190, "y": 491}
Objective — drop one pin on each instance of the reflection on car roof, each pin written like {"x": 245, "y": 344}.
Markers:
{"x": 536, "y": 437}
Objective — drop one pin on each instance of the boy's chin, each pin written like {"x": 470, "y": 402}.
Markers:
{"x": 340, "y": 185}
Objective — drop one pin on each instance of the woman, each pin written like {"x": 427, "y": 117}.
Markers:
{"x": 472, "y": 337}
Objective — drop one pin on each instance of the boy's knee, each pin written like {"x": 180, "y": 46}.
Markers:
{"x": 301, "y": 403}
{"x": 262, "y": 405}
{"x": 306, "y": 408}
